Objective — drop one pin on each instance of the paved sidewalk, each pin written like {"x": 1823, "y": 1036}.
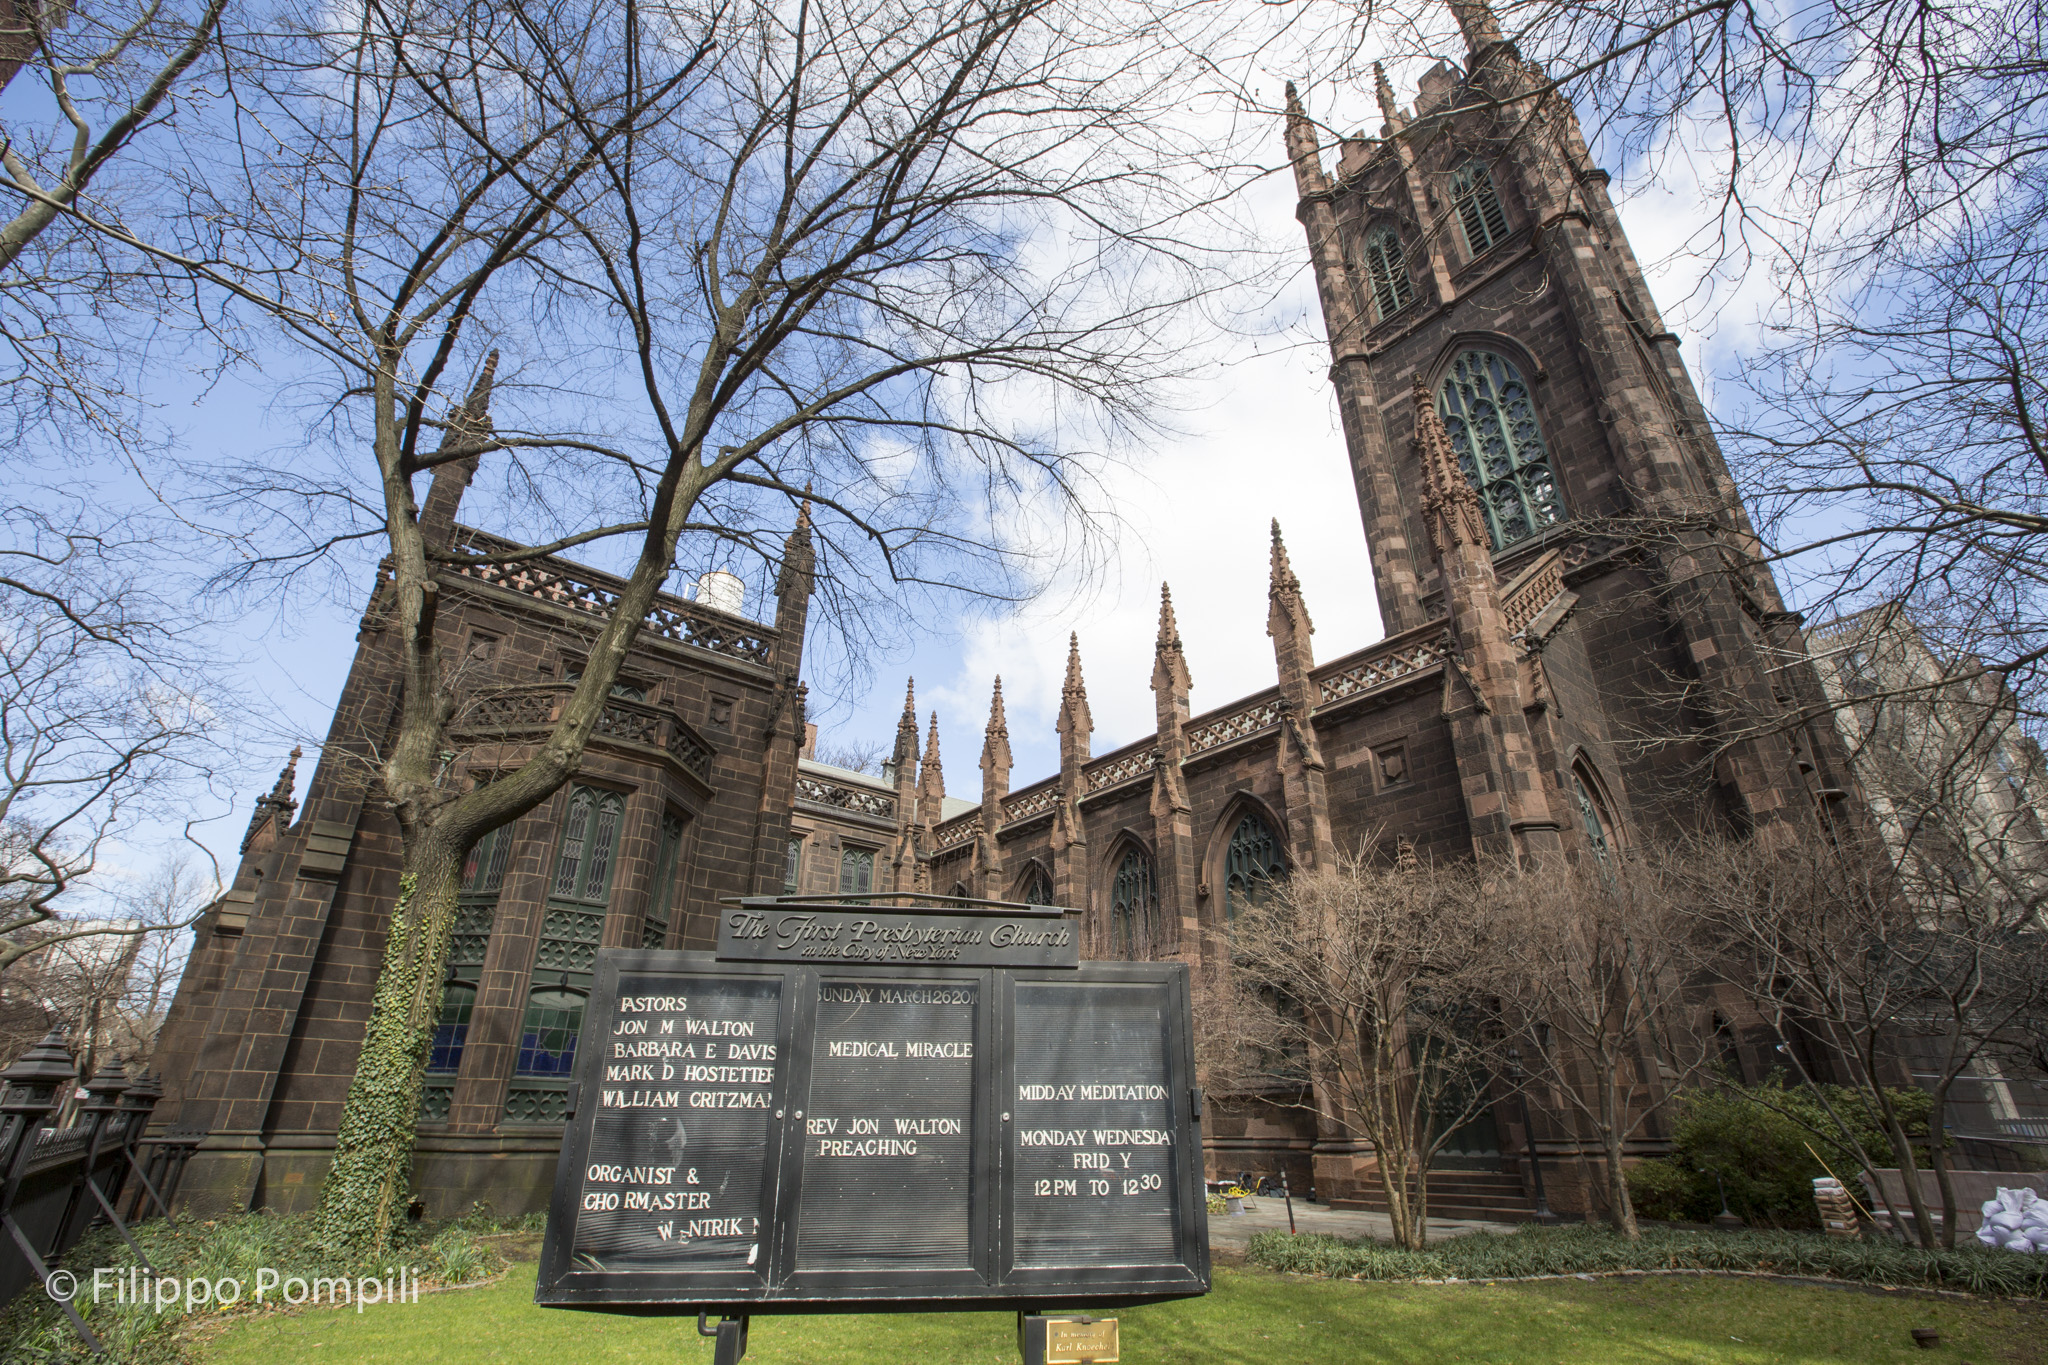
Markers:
{"x": 1230, "y": 1232}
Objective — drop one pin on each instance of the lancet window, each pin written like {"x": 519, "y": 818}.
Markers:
{"x": 1480, "y": 215}
{"x": 1486, "y": 410}
{"x": 1386, "y": 270}
{"x": 1252, "y": 863}
{"x": 1134, "y": 907}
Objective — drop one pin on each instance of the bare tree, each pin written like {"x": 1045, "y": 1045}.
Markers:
{"x": 97, "y": 725}
{"x": 913, "y": 265}
{"x": 78, "y": 312}
{"x": 1377, "y": 983}
{"x": 1598, "y": 997}
{"x": 1861, "y": 974}
{"x": 855, "y": 755}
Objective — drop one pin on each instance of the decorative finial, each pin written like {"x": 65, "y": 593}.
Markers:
{"x": 1169, "y": 628}
{"x": 998, "y": 723}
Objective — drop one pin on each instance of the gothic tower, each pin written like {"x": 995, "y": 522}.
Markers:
{"x": 1554, "y": 462}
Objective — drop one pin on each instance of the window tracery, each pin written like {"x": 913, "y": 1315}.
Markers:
{"x": 1487, "y": 412}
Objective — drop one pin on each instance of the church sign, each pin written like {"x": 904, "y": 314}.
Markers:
{"x": 853, "y": 1108}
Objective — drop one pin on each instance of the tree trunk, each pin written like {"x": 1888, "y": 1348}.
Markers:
{"x": 1395, "y": 1185}
{"x": 1621, "y": 1210}
{"x": 1909, "y": 1174}
{"x": 1937, "y": 1157}
{"x": 373, "y": 1151}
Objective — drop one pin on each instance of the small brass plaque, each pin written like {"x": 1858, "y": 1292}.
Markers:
{"x": 1069, "y": 1341}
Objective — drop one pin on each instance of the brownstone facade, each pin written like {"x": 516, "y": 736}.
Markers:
{"x": 684, "y": 797}
{"x": 1544, "y": 689}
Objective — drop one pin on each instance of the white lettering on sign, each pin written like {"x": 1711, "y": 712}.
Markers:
{"x": 631, "y": 1175}
{"x": 928, "y": 1127}
{"x": 653, "y": 1004}
{"x": 728, "y": 1099}
{"x": 869, "y": 1147}
{"x": 1091, "y": 1093}
{"x": 720, "y": 1028}
{"x": 956, "y": 1050}
{"x": 730, "y": 1075}
{"x": 641, "y": 1099}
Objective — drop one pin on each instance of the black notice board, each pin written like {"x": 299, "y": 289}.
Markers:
{"x": 754, "y": 1138}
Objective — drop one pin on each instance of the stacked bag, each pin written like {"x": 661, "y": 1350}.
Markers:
{"x": 1837, "y": 1209}
{"x": 2016, "y": 1220}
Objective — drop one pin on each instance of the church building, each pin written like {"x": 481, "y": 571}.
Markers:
{"x": 1576, "y": 656}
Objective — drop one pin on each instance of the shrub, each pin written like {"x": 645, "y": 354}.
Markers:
{"x": 1588, "y": 1249}
{"x": 1661, "y": 1190}
{"x": 1767, "y": 1143}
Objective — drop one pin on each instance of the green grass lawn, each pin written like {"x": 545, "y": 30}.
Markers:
{"x": 1253, "y": 1316}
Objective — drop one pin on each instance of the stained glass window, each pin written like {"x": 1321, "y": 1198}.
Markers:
{"x": 792, "y": 870}
{"x": 1038, "y": 888}
{"x": 654, "y": 930}
{"x": 1485, "y": 407}
{"x": 1133, "y": 907}
{"x": 590, "y": 838}
{"x": 483, "y": 872}
{"x": 1591, "y": 816}
{"x": 1251, "y": 863}
{"x": 451, "y": 1030}
{"x": 1386, "y": 268}
{"x": 856, "y": 871}
{"x": 547, "y": 1040}
{"x": 1479, "y": 210}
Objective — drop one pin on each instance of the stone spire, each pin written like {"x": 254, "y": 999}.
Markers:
{"x": 1171, "y": 682}
{"x": 903, "y": 758}
{"x": 995, "y": 785}
{"x": 1450, "y": 504}
{"x": 931, "y": 780}
{"x": 793, "y": 582}
{"x": 1301, "y": 149}
{"x": 1476, "y": 22}
{"x": 1075, "y": 724}
{"x": 468, "y": 424}
{"x": 277, "y": 805}
{"x": 1300, "y": 754}
{"x": 1287, "y": 615}
{"x": 902, "y": 772}
{"x": 1390, "y": 111}
{"x": 1170, "y": 688}
{"x": 995, "y": 751}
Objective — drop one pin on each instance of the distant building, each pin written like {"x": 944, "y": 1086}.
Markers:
{"x": 1958, "y": 790}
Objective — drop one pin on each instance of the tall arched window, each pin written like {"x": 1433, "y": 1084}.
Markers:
{"x": 856, "y": 871}
{"x": 662, "y": 898}
{"x": 1386, "y": 268}
{"x": 1134, "y": 907}
{"x": 1592, "y": 815}
{"x": 1485, "y": 407}
{"x": 583, "y": 868}
{"x": 1251, "y": 863}
{"x": 1038, "y": 887}
{"x": 1479, "y": 211}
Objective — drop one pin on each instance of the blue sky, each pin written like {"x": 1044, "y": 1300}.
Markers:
{"x": 1261, "y": 443}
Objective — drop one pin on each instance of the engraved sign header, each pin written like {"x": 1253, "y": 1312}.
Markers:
{"x": 876, "y": 937}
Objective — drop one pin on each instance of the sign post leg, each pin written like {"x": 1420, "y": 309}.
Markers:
{"x": 731, "y": 1335}
{"x": 1031, "y": 1336}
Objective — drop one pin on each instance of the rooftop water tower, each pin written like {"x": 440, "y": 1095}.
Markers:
{"x": 722, "y": 590}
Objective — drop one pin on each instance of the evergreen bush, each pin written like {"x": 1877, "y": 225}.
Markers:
{"x": 1588, "y": 1249}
